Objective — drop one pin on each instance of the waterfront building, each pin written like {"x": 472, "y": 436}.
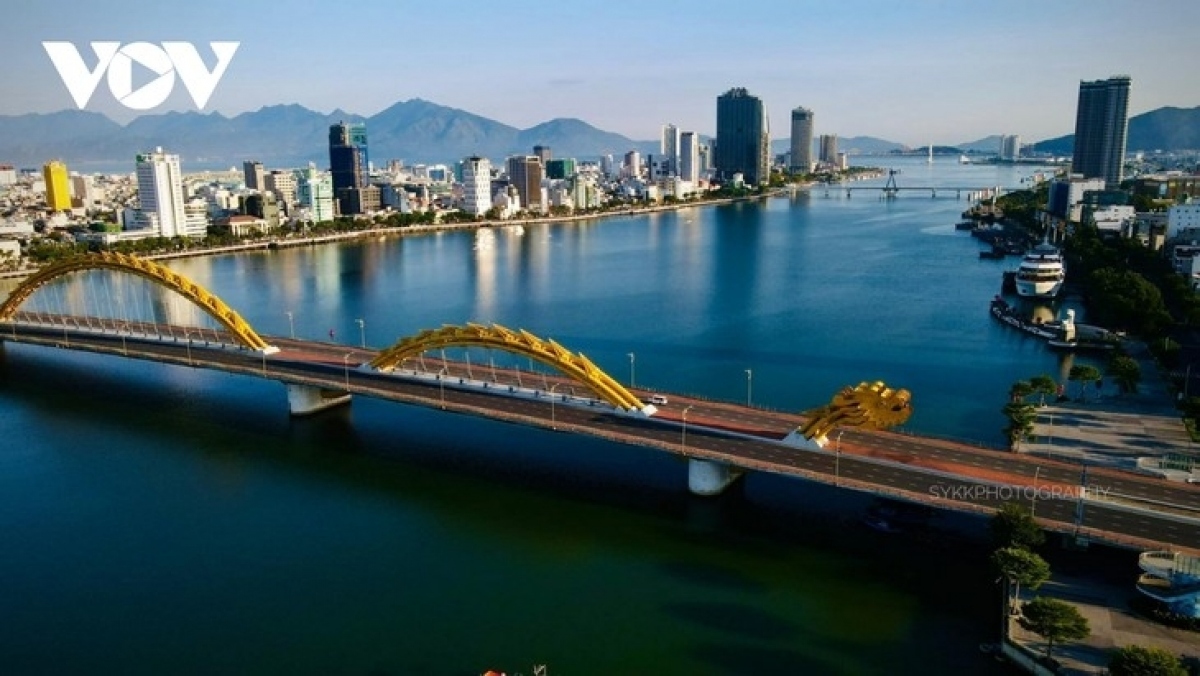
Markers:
{"x": 560, "y": 169}
{"x": 704, "y": 157}
{"x": 282, "y": 184}
{"x": 58, "y": 187}
{"x": 1065, "y": 199}
{"x": 254, "y": 176}
{"x": 689, "y": 157}
{"x": 1101, "y": 124}
{"x": 608, "y": 165}
{"x": 542, "y": 153}
{"x": 802, "y": 141}
{"x": 829, "y": 148}
{"x": 743, "y": 137}
{"x": 477, "y": 185}
{"x": 525, "y": 174}
{"x": 669, "y": 149}
{"x": 264, "y": 206}
{"x": 632, "y": 167}
{"x": 348, "y": 164}
{"x": 160, "y": 194}
{"x": 1010, "y": 148}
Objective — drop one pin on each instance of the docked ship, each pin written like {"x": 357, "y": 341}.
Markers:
{"x": 1041, "y": 273}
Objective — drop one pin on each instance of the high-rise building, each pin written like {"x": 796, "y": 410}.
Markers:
{"x": 543, "y": 154}
{"x": 669, "y": 148}
{"x": 253, "y": 173}
{"x": 561, "y": 168}
{"x": 58, "y": 186}
{"x": 802, "y": 140}
{"x": 348, "y": 164}
{"x": 1101, "y": 123}
{"x": 632, "y": 166}
{"x": 477, "y": 185}
{"x": 160, "y": 192}
{"x": 525, "y": 174}
{"x": 283, "y": 184}
{"x": 689, "y": 156}
{"x": 743, "y": 137}
{"x": 314, "y": 192}
{"x": 1010, "y": 148}
{"x": 829, "y": 148}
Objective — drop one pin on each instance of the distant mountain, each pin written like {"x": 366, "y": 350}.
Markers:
{"x": 851, "y": 145}
{"x": 1162, "y": 129}
{"x": 292, "y": 135}
{"x": 988, "y": 144}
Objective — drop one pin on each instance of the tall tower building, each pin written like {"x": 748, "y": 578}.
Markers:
{"x": 829, "y": 148}
{"x": 58, "y": 186}
{"x": 1101, "y": 123}
{"x": 669, "y": 148}
{"x": 252, "y": 171}
{"x": 543, "y": 154}
{"x": 314, "y": 192}
{"x": 477, "y": 185}
{"x": 743, "y": 137}
{"x": 689, "y": 156}
{"x": 1010, "y": 148}
{"x": 160, "y": 191}
{"x": 348, "y": 163}
{"x": 802, "y": 138}
{"x": 525, "y": 174}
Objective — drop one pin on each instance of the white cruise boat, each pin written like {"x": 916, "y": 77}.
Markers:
{"x": 1041, "y": 273}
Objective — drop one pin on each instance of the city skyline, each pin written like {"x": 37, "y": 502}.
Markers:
{"x": 944, "y": 72}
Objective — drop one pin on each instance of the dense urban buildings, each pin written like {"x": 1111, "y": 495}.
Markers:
{"x": 743, "y": 137}
{"x": 802, "y": 141}
{"x": 1101, "y": 124}
{"x": 58, "y": 189}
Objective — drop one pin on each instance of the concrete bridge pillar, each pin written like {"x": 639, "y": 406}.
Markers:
{"x": 306, "y": 399}
{"x": 708, "y": 477}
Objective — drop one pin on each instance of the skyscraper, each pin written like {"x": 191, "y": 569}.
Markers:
{"x": 348, "y": 163}
{"x": 160, "y": 191}
{"x": 689, "y": 157}
{"x": 802, "y": 138}
{"x": 543, "y": 153}
{"x": 314, "y": 192}
{"x": 829, "y": 150}
{"x": 1101, "y": 123}
{"x": 742, "y": 137}
{"x": 477, "y": 185}
{"x": 669, "y": 148}
{"x": 58, "y": 187}
{"x": 525, "y": 174}
{"x": 1010, "y": 148}
{"x": 252, "y": 171}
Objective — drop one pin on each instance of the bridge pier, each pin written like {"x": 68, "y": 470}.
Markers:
{"x": 708, "y": 477}
{"x": 306, "y": 399}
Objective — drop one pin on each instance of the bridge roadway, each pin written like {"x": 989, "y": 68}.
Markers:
{"x": 1124, "y": 509}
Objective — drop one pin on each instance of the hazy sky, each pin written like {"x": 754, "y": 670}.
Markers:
{"x": 910, "y": 71}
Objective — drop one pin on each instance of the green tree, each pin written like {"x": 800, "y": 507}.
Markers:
{"x": 1019, "y": 566}
{"x": 1126, "y": 371}
{"x": 1084, "y": 375}
{"x": 1136, "y": 660}
{"x": 1021, "y": 417}
{"x": 1020, "y": 390}
{"x": 1043, "y": 385}
{"x": 1054, "y": 620}
{"x": 1013, "y": 525}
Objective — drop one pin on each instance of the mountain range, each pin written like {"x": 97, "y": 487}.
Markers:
{"x": 414, "y": 131}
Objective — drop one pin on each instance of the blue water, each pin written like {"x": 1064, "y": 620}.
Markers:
{"x": 158, "y": 519}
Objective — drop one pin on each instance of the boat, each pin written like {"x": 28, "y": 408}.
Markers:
{"x": 1041, "y": 273}
{"x": 963, "y": 159}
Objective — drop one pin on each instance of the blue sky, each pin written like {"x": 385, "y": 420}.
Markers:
{"x": 911, "y": 71}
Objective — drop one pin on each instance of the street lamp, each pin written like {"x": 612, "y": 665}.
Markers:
{"x": 631, "y": 369}
{"x": 1037, "y": 471}
{"x": 187, "y": 335}
{"x": 749, "y": 377}
{"x": 683, "y": 433}
{"x": 124, "y": 348}
{"x": 291, "y": 325}
{"x": 362, "y": 332}
{"x": 837, "y": 459}
{"x": 553, "y": 422}
{"x": 346, "y": 365}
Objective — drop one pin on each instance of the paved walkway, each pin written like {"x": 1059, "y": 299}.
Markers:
{"x": 1112, "y": 624}
{"x": 1110, "y": 428}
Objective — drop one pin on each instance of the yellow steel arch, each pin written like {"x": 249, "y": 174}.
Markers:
{"x": 162, "y": 275}
{"x": 576, "y": 366}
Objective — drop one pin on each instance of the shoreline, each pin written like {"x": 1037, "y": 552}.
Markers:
{"x": 402, "y": 231}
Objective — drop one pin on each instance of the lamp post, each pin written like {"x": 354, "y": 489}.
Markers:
{"x": 362, "y": 332}
{"x": 749, "y": 378}
{"x": 187, "y": 335}
{"x": 291, "y": 325}
{"x": 1037, "y": 471}
{"x": 346, "y": 365}
{"x": 442, "y": 386}
{"x": 631, "y": 369}
{"x": 683, "y": 432}
{"x": 837, "y": 459}
{"x": 553, "y": 422}
{"x": 124, "y": 348}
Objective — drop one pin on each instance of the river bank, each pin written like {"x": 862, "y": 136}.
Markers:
{"x": 401, "y": 231}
